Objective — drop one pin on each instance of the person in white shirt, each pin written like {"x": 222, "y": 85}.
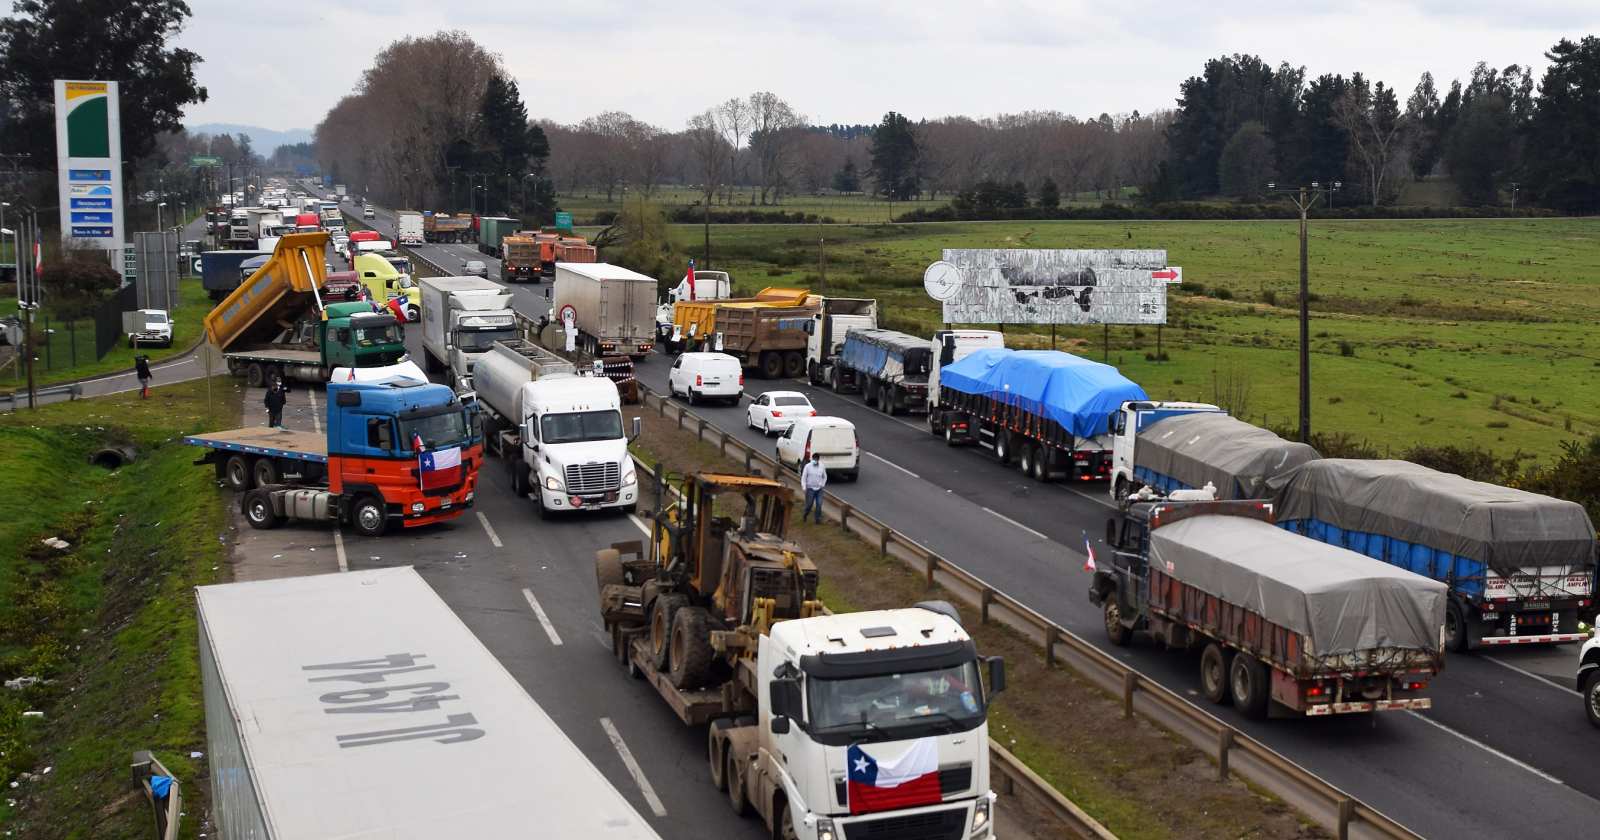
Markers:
{"x": 813, "y": 479}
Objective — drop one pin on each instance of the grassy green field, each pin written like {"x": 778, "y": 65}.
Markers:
{"x": 862, "y": 209}
{"x": 109, "y": 621}
{"x": 1424, "y": 332}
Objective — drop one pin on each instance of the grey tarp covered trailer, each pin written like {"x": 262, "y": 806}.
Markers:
{"x": 1233, "y": 455}
{"x": 1341, "y": 602}
{"x": 1506, "y": 529}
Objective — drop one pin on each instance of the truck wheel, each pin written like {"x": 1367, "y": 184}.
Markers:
{"x": 783, "y": 825}
{"x": 607, "y": 568}
{"x": 1458, "y": 631}
{"x": 1041, "y": 465}
{"x": 690, "y": 660}
{"x": 369, "y": 516}
{"x": 1591, "y": 697}
{"x": 258, "y": 510}
{"x": 237, "y": 473}
{"x": 949, "y": 435}
{"x": 1214, "y": 673}
{"x": 794, "y": 364}
{"x": 833, "y": 379}
{"x": 1249, "y": 681}
{"x": 1002, "y": 447}
{"x": 254, "y": 376}
{"x": 264, "y": 472}
{"x": 1025, "y": 457}
{"x": 889, "y": 400}
{"x": 771, "y": 365}
{"x": 519, "y": 479}
{"x": 714, "y": 753}
{"x": 813, "y": 374}
{"x": 1120, "y": 492}
{"x": 661, "y": 627}
{"x": 1116, "y": 631}
{"x": 732, "y": 770}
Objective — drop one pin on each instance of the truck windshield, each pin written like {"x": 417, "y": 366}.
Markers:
{"x": 372, "y": 336}
{"x": 447, "y": 429}
{"x": 885, "y": 706}
{"x": 477, "y": 341}
{"x": 580, "y": 426}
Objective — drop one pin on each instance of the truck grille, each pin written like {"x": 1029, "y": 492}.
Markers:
{"x": 593, "y": 478}
{"x": 932, "y": 825}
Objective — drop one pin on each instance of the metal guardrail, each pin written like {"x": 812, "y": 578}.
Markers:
{"x": 1231, "y": 749}
{"x": 1008, "y": 775}
{"x": 16, "y": 398}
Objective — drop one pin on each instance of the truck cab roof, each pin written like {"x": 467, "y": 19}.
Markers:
{"x": 867, "y": 632}
{"x": 565, "y": 393}
{"x": 393, "y": 396}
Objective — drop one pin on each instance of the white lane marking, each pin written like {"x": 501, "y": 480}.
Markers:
{"x": 338, "y": 549}
{"x": 893, "y": 464}
{"x": 641, "y": 523}
{"x": 633, "y": 768}
{"x": 544, "y": 620}
{"x": 1532, "y": 676}
{"x": 1002, "y": 517}
{"x": 1486, "y": 748}
{"x": 489, "y": 529}
{"x": 316, "y": 420}
{"x": 1090, "y": 496}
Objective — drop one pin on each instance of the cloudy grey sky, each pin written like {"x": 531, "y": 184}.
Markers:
{"x": 282, "y": 67}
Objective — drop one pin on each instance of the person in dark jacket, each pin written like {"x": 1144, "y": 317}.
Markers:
{"x": 141, "y": 367}
{"x": 275, "y": 399}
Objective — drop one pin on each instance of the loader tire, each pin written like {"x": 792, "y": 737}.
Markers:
{"x": 691, "y": 656}
{"x": 607, "y": 568}
{"x": 661, "y": 616}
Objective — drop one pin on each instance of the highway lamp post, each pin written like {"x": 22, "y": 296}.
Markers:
{"x": 1303, "y": 198}
{"x": 159, "y": 205}
{"x": 1514, "y": 187}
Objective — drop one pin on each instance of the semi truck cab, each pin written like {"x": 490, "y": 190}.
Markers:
{"x": 574, "y": 445}
{"x": 951, "y": 346}
{"x": 1124, "y": 425}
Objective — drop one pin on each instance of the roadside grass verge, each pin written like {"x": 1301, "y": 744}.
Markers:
{"x": 1136, "y": 779}
{"x": 108, "y": 621}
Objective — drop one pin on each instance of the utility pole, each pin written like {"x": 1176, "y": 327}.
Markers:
{"x": 1514, "y": 188}
{"x": 822, "y": 260}
{"x": 1304, "y": 198}
{"x": 29, "y": 301}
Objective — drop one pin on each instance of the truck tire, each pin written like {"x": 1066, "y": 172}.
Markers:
{"x": 607, "y": 568}
{"x": 1214, "y": 673}
{"x": 1591, "y": 697}
{"x": 661, "y": 614}
{"x": 1460, "y": 635}
{"x": 519, "y": 479}
{"x": 813, "y": 374}
{"x": 1250, "y": 685}
{"x": 716, "y": 746}
{"x": 1025, "y": 456}
{"x": 833, "y": 379}
{"x": 889, "y": 400}
{"x": 689, "y": 663}
{"x": 264, "y": 472}
{"x": 950, "y": 435}
{"x": 237, "y": 473}
{"x": 369, "y": 516}
{"x": 733, "y": 771}
{"x": 257, "y": 507}
{"x": 254, "y": 376}
{"x": 1041, "y": 465}
{"x": 1003, "y": 447}
{"x": 783, "y": 824}
{"x": 771, "y": 364}
{"x": 1117, "y": 632}
{"x": 794, "y": 364}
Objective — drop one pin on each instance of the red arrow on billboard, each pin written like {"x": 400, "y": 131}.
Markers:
{"x": 1164, "y": 274}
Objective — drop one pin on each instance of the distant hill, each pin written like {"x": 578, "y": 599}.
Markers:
{"x": 263, "y": 140}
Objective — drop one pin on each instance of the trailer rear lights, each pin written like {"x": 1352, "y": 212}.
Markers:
{"x": 1413, "y": 686}
{"x": 1315, "y": 691}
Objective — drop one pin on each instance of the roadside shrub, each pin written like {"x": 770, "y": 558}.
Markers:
{"x": 1269, "y": 297}
{"x": 1221, "y": 293}
{"x": 1346, "y": 348}
{"x": 1459, "y": 395}
{"x": 1497, "y": 424}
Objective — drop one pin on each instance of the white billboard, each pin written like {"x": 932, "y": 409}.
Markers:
{"x": 1040, "y": 286}
{"x": 89, "y": 164}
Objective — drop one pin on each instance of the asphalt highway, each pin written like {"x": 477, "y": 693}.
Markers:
{"x": 1504, "y": 752}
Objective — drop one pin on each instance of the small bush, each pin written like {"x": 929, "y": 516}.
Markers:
{"x": 1221, "y": 293}
{"x": 1335, "y": 400}
{"x": 1459, "y": 395}
{"x": 1180, "y": 382}
{"x": 1497, "y": 424}
{"x": 1346, "y": 348}
{"x": 1269, "y": 297}
{"x": 1157, "y": 357}
{"x": 776, "y": 272}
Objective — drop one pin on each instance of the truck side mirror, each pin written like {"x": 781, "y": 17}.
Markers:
{"x": 810, "y": 327}
{"x": 784, "y": 696}
{"x": 780, "y": 725}
{"x": 636, "y": 429}
{"x": 997, "y": 674}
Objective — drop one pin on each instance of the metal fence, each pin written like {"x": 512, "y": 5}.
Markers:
{"x": 1230, "y": 748}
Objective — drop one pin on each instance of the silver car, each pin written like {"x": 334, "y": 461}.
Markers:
{"x": 475, "y": 268}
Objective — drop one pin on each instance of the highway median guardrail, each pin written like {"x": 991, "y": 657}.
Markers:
{"x": 1233, "y": 750}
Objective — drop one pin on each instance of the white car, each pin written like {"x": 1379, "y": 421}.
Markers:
{"x": 775, "y": 411}
{"x": 368, "y": 214}
{"x": 1589, "y": 676}
{"x": 704, "y": 375}
{"x": 833, "y": 438}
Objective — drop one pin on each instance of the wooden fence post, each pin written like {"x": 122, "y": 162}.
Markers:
{"x": 883, "y": 540}
{"x": 1347, "y": 814}
{"x": 985, "y": 598}
{"x": 1130, "y": 684}
{"x": 1050, "y": 636}
{"x": 1224, "y": 744}
{"x": 844, "y": 516}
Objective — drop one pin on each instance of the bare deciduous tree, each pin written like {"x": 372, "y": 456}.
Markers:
{"x": 1377, "y": 131}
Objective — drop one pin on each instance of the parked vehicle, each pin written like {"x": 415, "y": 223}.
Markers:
{"x": 831, "y": 437}
{"x": 408, "y": 227}
{"x": 774, "y": 411}
{"x": 889, "y": 368}
{"x": 463, "y": 318}
{"x": 520, "y": 257}
{"x": 1171, "y": 446}
{"x": 384, "y": 282}
{"x": 443, "y": 227}
{"x": 800, "y": 703}
{"x": 766, "y": 333}
{"x": 612, "y": 308}
{"x": 559, "y": 433}
{"x": 702, "y": 376}
{"x": 147, "y": 326}
{"x": 491, "y": 230}
{"x": 826, "y": 334}
{"x": 1045, "y": 410}
{"x": 1589, "y": 676}
{"x": 1520, "y": 566}
{"x": 366, "y": 469}
{"x": 297, "y": 709}
{"x": 707, "y": 285}
{"x": 1286, "y": 625}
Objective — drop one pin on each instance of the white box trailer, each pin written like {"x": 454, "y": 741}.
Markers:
{"x": 358, "y": 705}
{"x": 613, "y": 308}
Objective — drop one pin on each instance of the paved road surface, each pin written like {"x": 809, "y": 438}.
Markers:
{"x": 1505, "y": 751}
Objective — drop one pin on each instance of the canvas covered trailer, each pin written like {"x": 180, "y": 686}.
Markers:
{"x": 1189, "y": 451}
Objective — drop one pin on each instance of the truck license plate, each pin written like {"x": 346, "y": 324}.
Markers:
{"x": 1536, "y": 605}
{"x": 444, "y": 504}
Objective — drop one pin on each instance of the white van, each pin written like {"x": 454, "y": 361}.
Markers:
{"x": 831, "y": 437}
{"x": 715, "y": 376}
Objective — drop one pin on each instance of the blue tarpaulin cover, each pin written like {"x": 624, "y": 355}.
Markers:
{"x": 159, "y": 785}
{"x": 1073, "y": 391}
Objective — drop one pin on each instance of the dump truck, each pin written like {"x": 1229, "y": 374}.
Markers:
{"x": 394, "y": 453}
{"x": 408, "y": 228}
{"x": 493, "y": 229}
{"x": 462, "y": 318}
{"x": 826, "y": 334}
{"x": 276, "y": 326}
{"x": 706, "y": 285}
{"x": 443, "y": 227}
{"x": 766, "y": 333}
{"x": 888, "y": 367}
{"x": 359, "y": 705}
{"x": 1044, "y": 410}
{"x": 1520, "y": 566}
{"x": 519, "y": 258}
{"x": 611, "y": 307}
{"x": 1286, "y": 626}
{"x": 1169, "y": 446}
{"x": 870, "y": 724}
{"x": 560, "y": 433}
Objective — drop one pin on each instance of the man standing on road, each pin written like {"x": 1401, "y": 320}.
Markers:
{"x": 141, "y": 367}
{"x": 813, "y": 479}
{"x": 275, "y": 400}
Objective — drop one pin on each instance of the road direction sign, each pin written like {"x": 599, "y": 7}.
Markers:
{"x": 204, "y": 160}
{"x": 564, "y": 221}
{"x": 1172, "y": 274}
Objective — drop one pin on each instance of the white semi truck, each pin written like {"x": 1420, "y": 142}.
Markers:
{"x": 462, "y": 317}
{"x": 408, "y": 227}
{"x": 613, "y": 308}
{"x": 560, "y": 433}
{"x": 708, "y": 285}
{"x": 377, "y": 713}
{"x": 827, "y": 331}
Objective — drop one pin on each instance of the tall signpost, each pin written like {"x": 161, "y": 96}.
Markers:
{"x": 89, "y": 165}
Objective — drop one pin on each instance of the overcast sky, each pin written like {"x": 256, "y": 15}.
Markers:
{"x": 282, "y": 67}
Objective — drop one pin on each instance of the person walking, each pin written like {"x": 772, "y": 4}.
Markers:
{"x": 275, "y": 399}
{"x": 813, "y": 479}
{"x": 141, "y": 367}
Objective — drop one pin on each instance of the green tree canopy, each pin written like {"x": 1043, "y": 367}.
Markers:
{"x": 1246, "y": 164}
{"x": 1563, "y": 167}
{"x": 896, "y": 158}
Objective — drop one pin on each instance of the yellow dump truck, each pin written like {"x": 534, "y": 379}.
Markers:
{"x": 766, "y": 332}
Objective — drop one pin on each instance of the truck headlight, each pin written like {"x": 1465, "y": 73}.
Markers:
{"x": 825, "y": 830}
{"x": 416, "y": 507}
{"x": 552, "y": 483}
{"x": 630, "y": 479}
{"x": 980, "y": 815}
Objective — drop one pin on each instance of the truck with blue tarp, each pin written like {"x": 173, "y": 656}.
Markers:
{"x": 1169, "y": 446}
{"x": 1046, "y": 411}
{"x": 890, "y": 368}
{"x": 1520, "y": 566}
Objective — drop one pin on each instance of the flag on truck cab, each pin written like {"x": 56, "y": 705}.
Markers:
{"x": 1088, "y": 551}
{"x": 689, "y": 278}
{"x": 398, "y": 308}
{"x": 910, "y": 781}
{"x": 436, "y": 469}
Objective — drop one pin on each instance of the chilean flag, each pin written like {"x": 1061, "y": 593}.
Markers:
{"x": 398, "y": 309}
{"x": 436, "y": 469}
{"x": 690, "y": 278}
{"x": 910, "y": 781}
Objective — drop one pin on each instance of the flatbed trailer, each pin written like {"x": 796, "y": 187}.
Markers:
{"x": 294, "y": 458}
